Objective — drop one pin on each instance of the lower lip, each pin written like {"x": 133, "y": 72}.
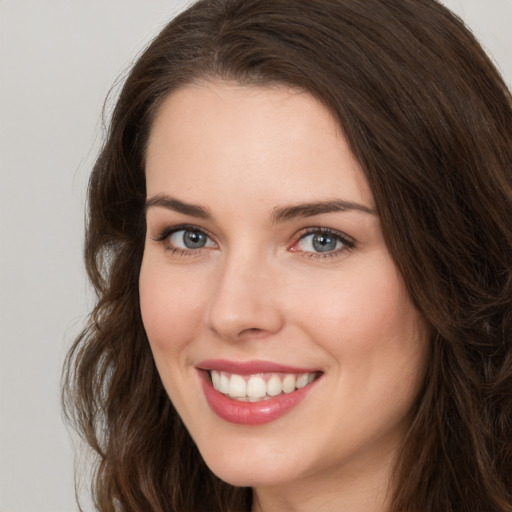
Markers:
{"x": 251, "y": 413}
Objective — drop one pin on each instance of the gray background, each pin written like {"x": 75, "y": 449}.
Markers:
{"x": 58, "y": 60}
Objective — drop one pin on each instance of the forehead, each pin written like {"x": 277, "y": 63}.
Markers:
{"x": 269, "y": 140}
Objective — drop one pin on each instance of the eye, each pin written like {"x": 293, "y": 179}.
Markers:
{"x": 189, "y": 239}
{"x": 322, "y": 242}
{"x": 184, "y": 240}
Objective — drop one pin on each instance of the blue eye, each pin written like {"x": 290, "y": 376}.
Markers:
{"x": 322, "y": 242}
{"x": 189, "y": 239}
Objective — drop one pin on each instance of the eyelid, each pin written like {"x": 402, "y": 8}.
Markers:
{"x": 162, "y": 234}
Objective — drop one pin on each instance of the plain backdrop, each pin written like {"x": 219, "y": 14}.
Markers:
{"x": 58, "y": 60}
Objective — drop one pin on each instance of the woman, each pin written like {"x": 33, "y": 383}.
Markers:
{"x": 299, "y": 232}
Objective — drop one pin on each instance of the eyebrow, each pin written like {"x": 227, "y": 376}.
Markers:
{"x": 279, "y": 214}
{"x": 286, "y": 213}
{"x": 171, "y": 203}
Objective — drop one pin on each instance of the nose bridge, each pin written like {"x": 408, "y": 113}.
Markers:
{"x": 243, "y": 300}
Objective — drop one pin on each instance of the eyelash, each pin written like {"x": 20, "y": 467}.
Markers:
{"x": 166, "y": 233}
{"x": 348, "y": 243}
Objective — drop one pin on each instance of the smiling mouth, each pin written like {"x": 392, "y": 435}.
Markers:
{"x": 259, "y": 387}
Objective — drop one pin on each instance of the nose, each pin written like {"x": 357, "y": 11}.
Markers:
{"x": 244, "y": 300}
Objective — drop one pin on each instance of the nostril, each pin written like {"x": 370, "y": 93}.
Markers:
{"x": 253, "y": 332}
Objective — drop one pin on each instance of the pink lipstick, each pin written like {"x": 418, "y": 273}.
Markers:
{"x": 254, "y": 392}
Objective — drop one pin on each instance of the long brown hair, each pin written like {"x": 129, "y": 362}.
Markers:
{"x": 430, "y": 121}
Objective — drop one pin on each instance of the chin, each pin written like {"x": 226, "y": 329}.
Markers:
{"x": 257, "y": 465}
{"x": 246, "y": 475}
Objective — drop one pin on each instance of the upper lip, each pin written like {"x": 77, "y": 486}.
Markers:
{"x": 249, "y": 367}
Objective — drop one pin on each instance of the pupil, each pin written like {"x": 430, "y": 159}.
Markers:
{"x": 194, "y": 240}
{"x": 324, "y": 243}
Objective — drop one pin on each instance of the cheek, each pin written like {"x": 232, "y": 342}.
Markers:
{"x": 376, "y": 338}
{"x": 359, "y": 305}
{"x": 170, "y": 308}
{"x": 378, "y": 347}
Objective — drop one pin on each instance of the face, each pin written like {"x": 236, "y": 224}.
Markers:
{"x": 280, "y": 327}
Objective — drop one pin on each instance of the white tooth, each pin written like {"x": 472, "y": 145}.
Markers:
{"x": 274, "y": 386}
{"x": 256, "y": 387}
{"x": 237, "y": 386}
{"x": 289, "y": 383}
{"x": 215, "y": 379}
{"x": 302, "y": 380}
{"x": 311, "y": 377}
{"x": 224, "y": 384}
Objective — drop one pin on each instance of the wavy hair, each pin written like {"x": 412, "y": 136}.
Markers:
{"x": 429, "y": 119}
